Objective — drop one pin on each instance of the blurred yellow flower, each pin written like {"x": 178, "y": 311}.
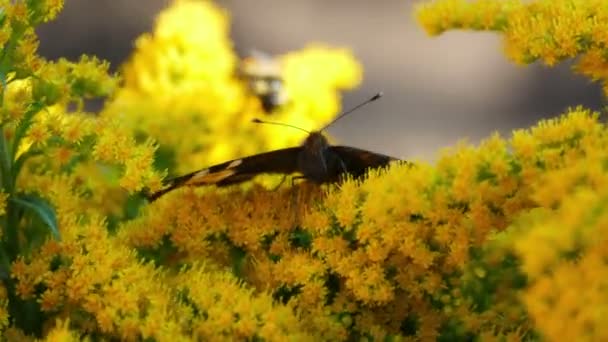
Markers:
{"x": 182, "y": 88}
{"x": 549, "y": 30}
{"x": 497, "y": 241}
{"x": 62, "y": 333}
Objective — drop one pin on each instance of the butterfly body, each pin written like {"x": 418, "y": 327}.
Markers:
{"x": 315, "y": 159}
{"x": 316, "y": 162}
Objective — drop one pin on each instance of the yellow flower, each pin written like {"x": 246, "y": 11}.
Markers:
{"x": 439, "y": 16}
{"x": 399, "y": 231}
{"x": 62, "y": 333}
{"x": 231, "y": 310}
{"x": 344, "y": 204}
{"x": 550, "y": 30}
{"x": 38, "y": 135}
{"x": 412, "y": 250}
{"x": 18, "y": 12}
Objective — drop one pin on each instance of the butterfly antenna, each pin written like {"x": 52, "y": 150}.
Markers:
{"x": 256, "y": 120}
{"x": 371, "y": 99}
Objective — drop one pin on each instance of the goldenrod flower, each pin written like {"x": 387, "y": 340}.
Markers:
{"x": 224, "y": 308}
{"x": 397, "y": 232}
{"x": 497, "y": 241}
{"x": 549, "y": 30}
{"x": 62, "y": 333}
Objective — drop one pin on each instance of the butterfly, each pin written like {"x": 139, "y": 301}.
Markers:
{"x": 263, "y": 74}
{"x": 316, "y": 160}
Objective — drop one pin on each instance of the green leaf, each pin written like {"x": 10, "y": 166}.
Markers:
{"x": 40, "y": 207}
{"x": 239, "y": 258}
{"x": 24, "y": 126}
{"x": 21, "y": 160}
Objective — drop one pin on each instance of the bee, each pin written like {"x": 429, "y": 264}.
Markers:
{"x": 263, "y": 74}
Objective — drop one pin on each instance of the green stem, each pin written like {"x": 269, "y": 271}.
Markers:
{"x": 5, "y": 265}
{"x": 5, "y": 260}
{"x": 10, "y": 236}
{"x": 5, "y": 164}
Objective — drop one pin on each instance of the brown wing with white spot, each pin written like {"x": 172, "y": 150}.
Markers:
{"x": 284, "y": 161}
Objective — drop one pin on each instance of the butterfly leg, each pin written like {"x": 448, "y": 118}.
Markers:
{"x": 294, "y": 202}
{"x": 342, "y": 165}
{"x": 283, "y": 181}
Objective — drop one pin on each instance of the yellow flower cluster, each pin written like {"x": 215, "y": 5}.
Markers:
{"x": 107, "y": 284}
{"x": 220, "y": 308}
{"x": 61, "y": 169}
{"x": 100, "y": 286}
{"x": 17, "y": 37}
{"x": 383, "y": 251}
{"x": 183, "y": 88}
{"x": 561, "y": 244}
{"x": 70, "y": 169}
{"x": 93, "y": 155}
{"x": 557, "y": 248}
{"x": 62, "y": 333}
{"x": 439, "y": 16}
{"x": 549, "y": 30}
{"x": 498, "y": 242}
{"x": 238, "y": 230}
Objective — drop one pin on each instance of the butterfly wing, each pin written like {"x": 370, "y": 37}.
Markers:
{"x": 283, "y": 161}
{"x": 357, "y": 162}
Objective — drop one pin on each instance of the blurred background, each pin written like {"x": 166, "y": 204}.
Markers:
{"x": 437, "y": 91}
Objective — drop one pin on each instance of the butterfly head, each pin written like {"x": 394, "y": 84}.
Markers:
{"x": 316, "y": 142}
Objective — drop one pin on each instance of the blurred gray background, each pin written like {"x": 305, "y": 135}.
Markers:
{"x": 436, "y": 90}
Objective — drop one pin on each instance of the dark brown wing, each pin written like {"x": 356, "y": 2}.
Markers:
{"x": 357, "y": 162}
{"x": 283, "y": 161}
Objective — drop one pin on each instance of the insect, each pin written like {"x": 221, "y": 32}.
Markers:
{"x": 316, "y": 160}
{"x": 264, "y": 78}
